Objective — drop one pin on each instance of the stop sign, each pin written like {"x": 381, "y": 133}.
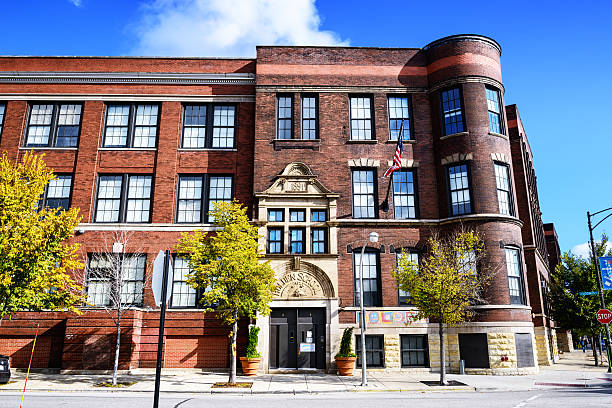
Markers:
{"x": 604, "y": 316}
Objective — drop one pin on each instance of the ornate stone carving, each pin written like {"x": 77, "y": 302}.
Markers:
{"x": 298, "y": 284}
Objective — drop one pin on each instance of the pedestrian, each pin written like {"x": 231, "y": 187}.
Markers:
{"x": 583, "y": 344}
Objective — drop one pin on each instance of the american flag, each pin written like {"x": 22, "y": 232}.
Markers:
{"x": 397, "y": 157}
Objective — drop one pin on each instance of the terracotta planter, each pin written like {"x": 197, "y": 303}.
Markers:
{"x": 250, "y": 365}
{"x": 346, "y": 365}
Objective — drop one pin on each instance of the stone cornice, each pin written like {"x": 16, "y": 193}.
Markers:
{"x": 420, "y": 222}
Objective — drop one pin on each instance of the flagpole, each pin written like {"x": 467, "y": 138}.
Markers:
{"x": 385, "y": 204}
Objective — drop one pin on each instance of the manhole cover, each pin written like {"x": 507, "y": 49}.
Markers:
{"x": 451, "y": 383}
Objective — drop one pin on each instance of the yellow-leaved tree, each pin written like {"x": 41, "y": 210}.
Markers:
{"x": 225, "y": 266}
{"x": 449, "y": 279}
{"x": 35, "y": 260}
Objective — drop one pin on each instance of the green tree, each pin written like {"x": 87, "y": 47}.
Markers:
{"x": 35, "y": 259}
{"x": 226, "y": 267}
{"x": 568, "y": 308}
{"x": 446, "y": 282}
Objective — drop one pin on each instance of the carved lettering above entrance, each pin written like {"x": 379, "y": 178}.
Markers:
{"x": 307, "y": 282}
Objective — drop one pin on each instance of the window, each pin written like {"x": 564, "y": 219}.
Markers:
{"x": 276, "y": 215}
{"x": 493, "y": 107}
{"x": 404, "y": 197}
{"x": 101, "y": 287}
{"x": 467, "y": 262}
{"x": 275, "y": 241}
{"x": 504, "y": 196}
{"x": 399, "y": 113}
{"x": 131, "y": 126}
{"x": 57, "y": 192}
{"x": 459, "y": 189}
{"x": 515, "y": 276}
{"x": 371, "y": 285}
{"x": 284, "y": 116}
{"x": 124, "y": 198}
{"x": 375, "y": 351}
{"x": 208, "y": 126}
{"x": 196, "y": 195}
{"x": 414, "y": 349}
{"x": 183, "y": 294}
{"x": 297, "y": 215}
{"x": 361, "y": 118}
{"x": 403, "y": 297}
{"x": 318, "y": 215}
{"x": 309, "y": 117}
{"x": 452, "y": 111}
{"x": 364, "y": 194}
{"x": 319, "y": 240}
{"x": 297, "y": 240}
{"x": 53, "y": 125}
{"x": 2, "y": 110}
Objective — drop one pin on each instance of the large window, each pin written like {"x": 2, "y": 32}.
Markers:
{"x": 2, "y": 110}
{"x": 319, "y": 240}
{"x": 364, "y": 194}
{"x": 399, "y": 114}
{"x": 114, "y": 278}
{"x": 183, "y": 294}
{"x": 53, "y": 125}
{"x": 124, "y": 198}
{"x": 504, "y": 192}
{"x": 297, "y": 240}
{"x": 414, "y": 349}
{"x": 404, "y": 195}
{"x": 515, "y": 276}
{"x": 310, "y": 113}
{"x": 452, "y": 111}
{"x": 375, "y": 350}
{"x": 196, "y": 195}
{"x": 494, "y": 108}
{"x": 57, "y": 192}
{"x": 361, "y": 118}
{"x": 403, "y": 297}
{"x": 459, "y": 189}
{"x": 208, "y": 126}
{"x": 284, "y": 117}
{"x": 275, "y": 241}
{"x": 371, "y": 278}
{"x": 131, "y": 126}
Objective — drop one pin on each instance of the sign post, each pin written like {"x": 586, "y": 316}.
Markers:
{"x": 160, "y": 298}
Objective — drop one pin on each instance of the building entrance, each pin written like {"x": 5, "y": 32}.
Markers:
{"x": 297, "y": 338}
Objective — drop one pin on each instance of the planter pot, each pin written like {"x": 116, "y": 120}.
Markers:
{"x": 346, "y": 365}
{"x": 250, "y": 365}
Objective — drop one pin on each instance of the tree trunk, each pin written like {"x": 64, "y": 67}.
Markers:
{"x": 442, "y": 359}
{"x": 599, "y": 348}
{"x": 594, "y": 347}
{"x": 117, "y": 346}
{"x": 232, "y": 378}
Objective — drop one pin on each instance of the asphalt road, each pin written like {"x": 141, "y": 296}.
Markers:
{"x": 565, "y": 398}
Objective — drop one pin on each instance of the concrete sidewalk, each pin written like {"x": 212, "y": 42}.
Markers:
{"x": 574, "y": 370}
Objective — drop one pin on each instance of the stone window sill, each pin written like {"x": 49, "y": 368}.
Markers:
{"x": 411, "y": 141}
{"x": 128, "y": 149}
{"x": 455, "y": 135}
{"x": 206, "y": 149}
{"x": 498, "y": 135}
{"x": 366, "y": 141}
{"x": 280, "y": 144}
{"x": 48, "y": 148}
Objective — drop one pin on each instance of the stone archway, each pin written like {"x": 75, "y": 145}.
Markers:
{"x": 304, "y": 281}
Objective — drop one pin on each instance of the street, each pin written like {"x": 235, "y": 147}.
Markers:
{"x": 600, "y": 397}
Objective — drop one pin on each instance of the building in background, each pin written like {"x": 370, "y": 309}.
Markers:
{"x": 146, "y": 144}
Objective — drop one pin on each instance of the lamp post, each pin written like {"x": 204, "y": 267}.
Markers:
{"x": 599, "y": 283}
{"x": 373, "y": 237}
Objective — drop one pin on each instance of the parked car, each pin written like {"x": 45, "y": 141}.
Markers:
{"x": 5, "y": 369}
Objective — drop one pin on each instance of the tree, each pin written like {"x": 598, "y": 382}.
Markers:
{"x": 446, "y": 282}
{"x": 116, "y": 278}
{"x": 35, "y": 259}
{"x": 568, "y": 308}
{"x": 226, "y": 267}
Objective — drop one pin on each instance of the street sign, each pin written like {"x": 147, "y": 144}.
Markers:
{"x": 158, "y": 276}
{"x": 605, "y": 266}
{"x": 604, "y": 316}
{"x": 587, "y": 293}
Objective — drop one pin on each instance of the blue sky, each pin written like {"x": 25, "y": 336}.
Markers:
{"x": 556, "y": 61}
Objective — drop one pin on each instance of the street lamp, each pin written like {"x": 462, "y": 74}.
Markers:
{"x": 601, "y": 295}
{"x": 373, "y": 237}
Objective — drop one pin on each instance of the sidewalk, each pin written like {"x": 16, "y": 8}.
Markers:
{"x": 574, "y": 370}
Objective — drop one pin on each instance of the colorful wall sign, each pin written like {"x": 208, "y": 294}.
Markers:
{"x": 391, "y": 317}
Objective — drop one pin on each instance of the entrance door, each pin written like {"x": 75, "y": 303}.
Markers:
{"x": 297, "y": 338}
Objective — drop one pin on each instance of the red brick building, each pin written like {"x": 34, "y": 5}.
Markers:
{"x": 313, "y": 129}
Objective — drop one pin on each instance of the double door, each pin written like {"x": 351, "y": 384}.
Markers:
{"x": 297, "y": 338}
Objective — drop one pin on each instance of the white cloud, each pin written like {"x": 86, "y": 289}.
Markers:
{"x": 77, "y": 3}
{"x": 584, "y": 251}
{"x": 228, "y": 28}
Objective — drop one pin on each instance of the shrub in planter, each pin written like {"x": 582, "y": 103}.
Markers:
{"x": 250, "y": 363}
{"x": 345, "y": 359}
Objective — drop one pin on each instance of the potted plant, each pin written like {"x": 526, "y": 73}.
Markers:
{"x": 345, "y": 359}
{"x": 250, "y": 363}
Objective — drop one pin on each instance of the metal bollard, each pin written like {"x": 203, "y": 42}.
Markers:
{"x": 462, "y": 367}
